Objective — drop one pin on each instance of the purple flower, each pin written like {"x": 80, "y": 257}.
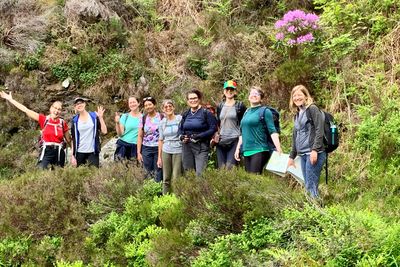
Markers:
{"x": 280, "y": 36}
{"x": 291, "y": 42}
{"x": 305, "y": 38}
{"x": 291, "y": 29}
{"x": 297, "y": 27}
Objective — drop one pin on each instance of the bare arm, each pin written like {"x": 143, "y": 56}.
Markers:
{"x": 139, "y": 145}
{"x": 100, "y": 113}
{"x": 67, "y": 137}
{"x": 277, "y": 143}
{"x": 119, "y": 128}
{"x": 31, "y": 114}
{"x": 159, "y": 160}
{"x": 237, "y": 151}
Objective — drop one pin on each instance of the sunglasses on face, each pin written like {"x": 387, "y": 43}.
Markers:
{"x": 148, "y": 98}
{"x": 255, "y": 94}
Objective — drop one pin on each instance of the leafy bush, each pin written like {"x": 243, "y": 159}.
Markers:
{"x": 223, "y": 200}
{"x": 14, "y": 251}
{"x": 293, "y": 72}
{"x": 127, "y": 237}
{"x": 196, "y": 65}
{"x": 241, "y": 249}
{"x": 379, "y": 133}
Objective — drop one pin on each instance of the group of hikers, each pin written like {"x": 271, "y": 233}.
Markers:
{"x": 167, "y": 144}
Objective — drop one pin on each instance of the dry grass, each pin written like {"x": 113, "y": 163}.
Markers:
{"x": 87, "y": 10}
{"x": 389, "y": 49}
{"x": 177, "y": 11}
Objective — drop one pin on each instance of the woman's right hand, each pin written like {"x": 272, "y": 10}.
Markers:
{"x": 159, "y": 163}
{"x": 237, "y": 154}
{"x": 291, "y": 163}
{"x": 73, "y": 161}
{"x": 139, "y": 157}
{"x": 5, "y": 95}
{"x": 117, "y": 117}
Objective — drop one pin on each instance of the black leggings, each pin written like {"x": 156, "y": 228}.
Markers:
{"x": 255, "y": 163}
{"x": 92, "y": 159}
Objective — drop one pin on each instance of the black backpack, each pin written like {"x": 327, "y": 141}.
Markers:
{"x": 239, "y": 106}
{"x": 275, "y": 117}
{"x": 331, "y": 136}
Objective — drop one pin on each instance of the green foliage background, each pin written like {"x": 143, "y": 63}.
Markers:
{"x": 112, "y": 217}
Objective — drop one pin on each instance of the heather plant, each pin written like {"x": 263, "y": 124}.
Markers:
{"x": 296, "y": 28}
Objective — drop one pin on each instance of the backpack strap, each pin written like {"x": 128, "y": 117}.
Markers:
{"x": 126, "y": 117}
{"x": 205, "y": 115}
{"x": 261, "y": 115}
{"x": 240, "y": 110}
{"x": 145, "y": 117}
{"x": 144, "y": 120}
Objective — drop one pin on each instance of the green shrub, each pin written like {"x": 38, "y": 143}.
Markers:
{"x": 241, "y": 249}
{"x": 379, "y": 133}
{"x": 69, "y": 264}
{"x": 196, "y": 65}
{"x": 13, "y": 251}
{"x": 293, "y": 72}
{"x": 222, "y": 200}
{"x": 16, "y": 154}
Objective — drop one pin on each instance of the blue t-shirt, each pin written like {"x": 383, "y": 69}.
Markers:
{"x": 168, "y": 130}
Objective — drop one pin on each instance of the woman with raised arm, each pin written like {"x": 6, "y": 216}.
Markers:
{"x": 256, "y": 148}
{"x": 86, "y": 127}
{"x": 308, "y": 137}
{"x": 127, "y": 128}
{"x": 54, "y": 132}
{"x": 169, "y": 146}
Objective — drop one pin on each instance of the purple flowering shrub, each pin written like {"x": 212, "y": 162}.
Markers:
{"x": 296, "y": 27}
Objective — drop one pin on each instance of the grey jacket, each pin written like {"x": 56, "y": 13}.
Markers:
{"x": 308, "y": 133}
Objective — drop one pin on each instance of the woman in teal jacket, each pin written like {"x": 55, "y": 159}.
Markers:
{"x": 256, "y": 150}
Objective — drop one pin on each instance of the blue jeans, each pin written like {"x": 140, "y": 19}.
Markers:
{"x": 312, "y": 173}
{"x": 150, "y": 157}
{"x": 226, "y": 155}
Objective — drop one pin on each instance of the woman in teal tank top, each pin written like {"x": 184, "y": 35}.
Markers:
{"x": 127, "y": 127}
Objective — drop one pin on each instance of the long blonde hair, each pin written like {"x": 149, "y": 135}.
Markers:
{"x": 304, "y": 90}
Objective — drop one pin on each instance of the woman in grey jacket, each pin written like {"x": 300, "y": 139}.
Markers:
{"x": 308, "y": 136}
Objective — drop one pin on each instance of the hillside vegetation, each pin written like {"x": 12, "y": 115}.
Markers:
{"x": 110, "y": 49}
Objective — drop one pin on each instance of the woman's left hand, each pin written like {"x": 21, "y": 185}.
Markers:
{"x": 159, "y": 163}
{"x": 313, "y": 157}
{"x": 100, "y": 111}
